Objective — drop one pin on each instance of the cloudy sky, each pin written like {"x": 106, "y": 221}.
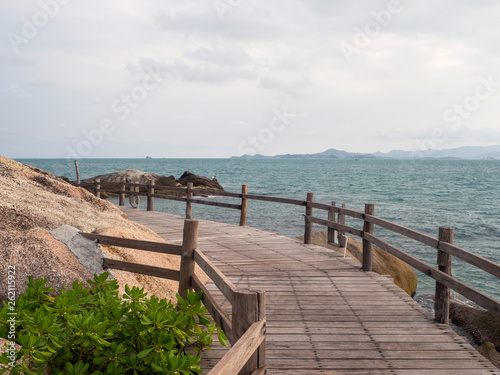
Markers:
{"x": 216, "y": 78}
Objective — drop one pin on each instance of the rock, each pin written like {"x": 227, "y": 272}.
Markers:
{"x": 383, "y": 262}
{"x": 88, "y": 252}
{"x": 199, "y": 181}
{"x": 132, "y": 175}
{"x": 34, "y": 202}
{"x": 64, "y": 178}
{"x": 488, "y": 351}
{"x": 36, "y": 253}
{"x": 482, "y": 325}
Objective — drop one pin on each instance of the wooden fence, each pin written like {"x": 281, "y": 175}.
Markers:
{"x": 337, "y": 229}
{"x": 246, "y": 330}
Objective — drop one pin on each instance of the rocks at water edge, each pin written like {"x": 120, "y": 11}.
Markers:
{"x": 133, "y": 175}
{"x": 199, "y": 181}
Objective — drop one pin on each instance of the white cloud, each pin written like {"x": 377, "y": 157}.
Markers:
{"x": 223, "y": 78}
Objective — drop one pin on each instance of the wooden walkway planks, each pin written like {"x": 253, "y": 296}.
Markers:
{"x": 325, "y": 315}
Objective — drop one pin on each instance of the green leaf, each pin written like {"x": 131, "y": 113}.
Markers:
{"x": 144, "y": 353}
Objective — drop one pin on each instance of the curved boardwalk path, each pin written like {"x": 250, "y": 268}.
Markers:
{"x": 325, "y": 315}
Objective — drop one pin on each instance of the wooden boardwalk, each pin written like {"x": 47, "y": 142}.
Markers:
{"x": 324, "y": 314}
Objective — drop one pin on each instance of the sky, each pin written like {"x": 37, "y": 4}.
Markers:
{"x": 221, "y": 78}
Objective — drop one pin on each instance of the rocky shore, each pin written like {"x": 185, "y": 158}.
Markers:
{"x": 133, "y": 175}
{"x": 33, "y": 203}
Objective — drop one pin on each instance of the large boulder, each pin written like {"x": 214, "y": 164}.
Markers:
{"x": 133, "y": 175}
{"x": 383, "y": 262}
{"x": 199, "y": 181}
{"x": 34, "y": 202}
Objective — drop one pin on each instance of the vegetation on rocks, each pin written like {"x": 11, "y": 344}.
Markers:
{"x": 92, "y": 330}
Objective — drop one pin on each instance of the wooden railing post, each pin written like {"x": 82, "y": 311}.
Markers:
{"x": 131, "y": 195}
{"x": 244, "y": 204}
{"x": 309, "y": 224}
{"x": 331, "y": 231}
{"x": 189, "y": 243}
{"x": 137, "y": 197}
{"x": 77, "y": 173}
{"x": 151, "y": 191}
{"x": 367, "y": 245}
{"x": 122, "y": 192}
{"x": 97, "y": 187}
{"x": 442, "y": 296}
{"x": 341, "y": 220}
{"x": 189, "y": 204}
{"x": 248, "y": 308}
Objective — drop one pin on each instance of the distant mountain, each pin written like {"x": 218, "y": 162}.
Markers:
{"x": 465, "y": 152}
{"x": 328, "y": 154}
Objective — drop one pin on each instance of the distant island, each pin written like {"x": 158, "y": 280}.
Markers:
{"x": 465, "y": 152}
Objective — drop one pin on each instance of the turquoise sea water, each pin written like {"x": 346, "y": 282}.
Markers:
{"x": 422, "y": 195}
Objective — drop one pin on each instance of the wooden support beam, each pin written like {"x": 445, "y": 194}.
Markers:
{"x": 122, "y": 192}
{"x": 189, "y": 243}
{"x": 248, "y": 308}
{"x": 244, "y": 204}
{"x": 189, "y": 203}
{"x": 331, "y": 231}
{"x": 309, "y": 225}
{"x": 77, "y": 173}
{"x": 151, "y": 192}
{"x": 442, "y": 296}
{"x": 367, "y": 245}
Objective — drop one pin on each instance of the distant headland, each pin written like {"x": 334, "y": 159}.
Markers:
{"x": 465, "y": 152}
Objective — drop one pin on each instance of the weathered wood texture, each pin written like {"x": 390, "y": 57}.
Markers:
{"x": 367, "y": 245}
{"x": 442, "y": 295}
{"x": 189, "y": 243}
{"x": 244, "y": 205}
{"x": 324, "y": 315}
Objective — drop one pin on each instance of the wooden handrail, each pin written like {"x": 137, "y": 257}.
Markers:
{"x": 214, "y": 308}
{"x": 234, "y": 360}
{"x": 220, "y": 280}
{"x": 158, "y": 247}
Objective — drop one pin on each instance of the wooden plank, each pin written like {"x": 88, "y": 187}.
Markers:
{"x": 241, "y": 351}
{"x": 143, "y": 269}
{"x": 340, "y": 227}
{"x": 223, "y": 283}
{"x": 217, "y": 204}
{"x": 169, "y": 197}
{"x": 214, "y": 308}
{"x": 296, "y": 202}
{"x": 156, "y": 247}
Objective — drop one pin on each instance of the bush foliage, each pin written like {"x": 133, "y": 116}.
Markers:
{"x": 93, "y": 331}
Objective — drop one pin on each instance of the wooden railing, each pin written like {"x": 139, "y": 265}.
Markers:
{"x": 337, "y": 229}
{"x": 246, "y": 330}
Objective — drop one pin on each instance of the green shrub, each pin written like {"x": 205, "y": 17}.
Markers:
{"x": 94, "y": 331}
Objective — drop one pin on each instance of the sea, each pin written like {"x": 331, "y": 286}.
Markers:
{"x": 419, "y": 194}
